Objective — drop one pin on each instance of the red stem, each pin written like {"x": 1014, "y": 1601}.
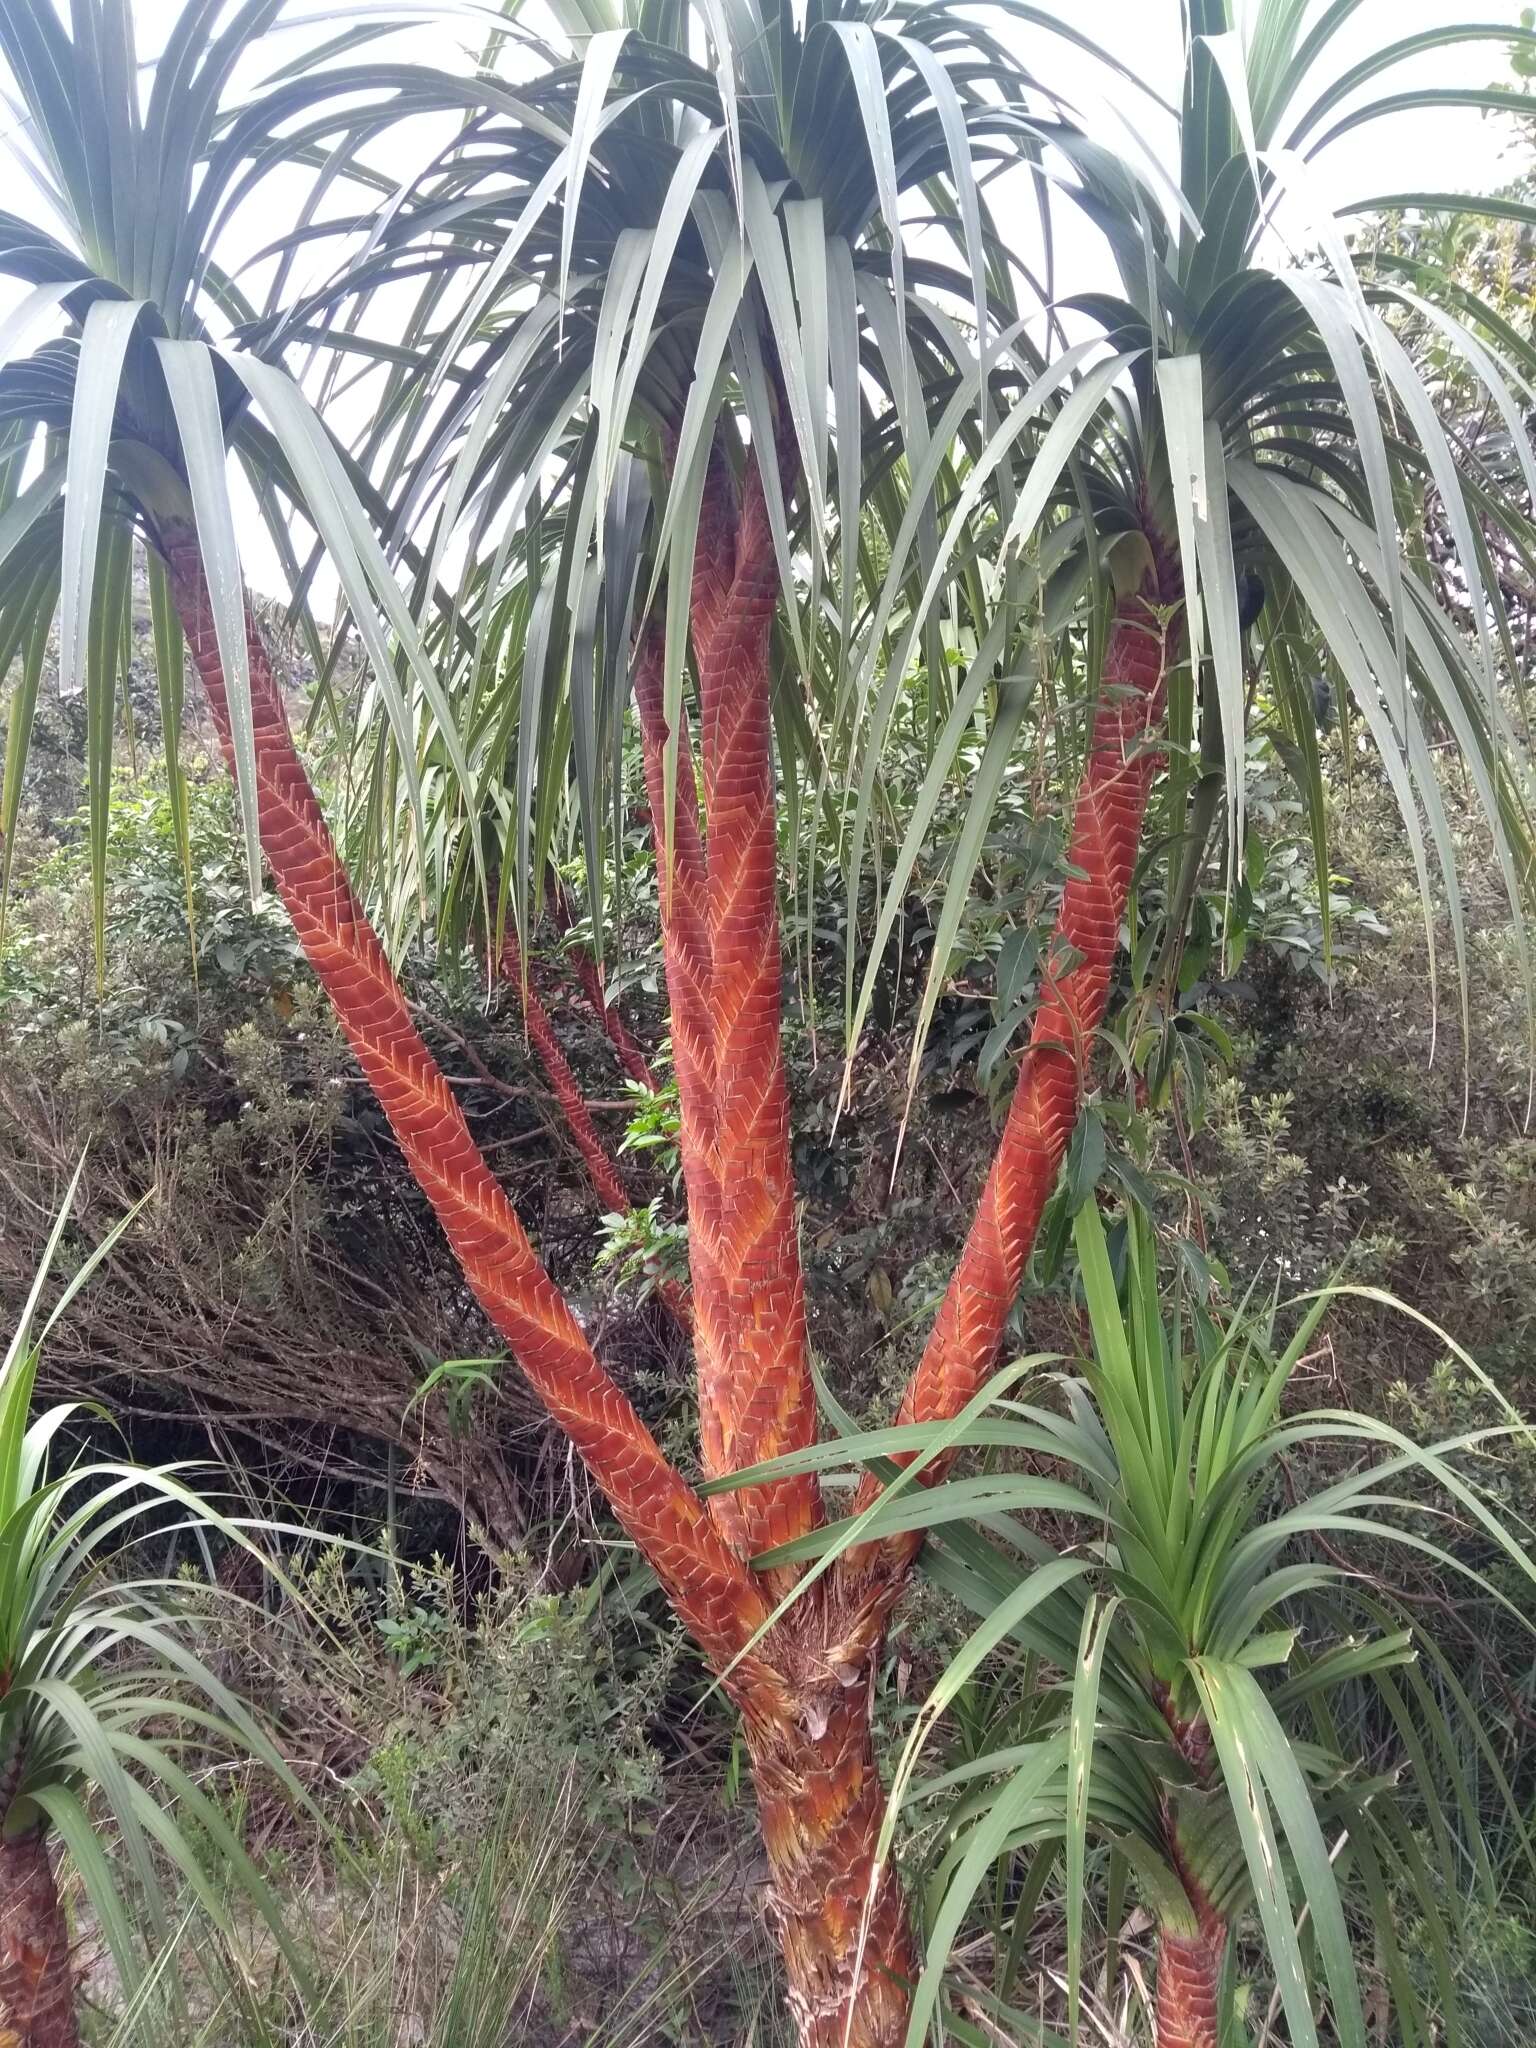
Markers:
{"x": 821, "y": 1804}
{"x": 566, "y": 1088}
{"x": 690, "y": 977}
{"x": 772, "y": 1402}
{"x": 631, "y": 1058}
{"x": 1189, "y": 1985}
{"x": 601, "y": 1166}
{"x": 622, "y": 1039}
{"x": 1106, "y": 834}
{"x": 708, "y": 1586}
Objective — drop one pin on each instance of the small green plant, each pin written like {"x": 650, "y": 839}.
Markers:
{"x": 645, "y": 1248}
{"x": 456, "y": 1380}
{"x": 1197, "y": 1695}
{"x": 653, "y": 1125}
{"x": 415, "y": 1637}
{"x": 1226, "y": 1677}
{"x": 101, "y": 1696}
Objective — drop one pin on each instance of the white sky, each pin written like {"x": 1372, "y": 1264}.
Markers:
{"x": 1470, "y": 152}
{"x": 1460, "y": 151}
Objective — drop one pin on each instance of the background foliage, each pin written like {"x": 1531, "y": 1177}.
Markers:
{"x": 1305, "y": 1132}
{"x": 498, "y": 1710}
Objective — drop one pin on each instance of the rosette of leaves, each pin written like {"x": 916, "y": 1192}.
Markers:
{"x": 1215, "y": 1702}
{"x": 105, "y": 1706}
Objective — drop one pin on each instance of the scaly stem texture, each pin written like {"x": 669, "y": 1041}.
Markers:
{"x": 770, "y": 1402}
{"x": 720, "y": 934}
{"x": 708, "y": 1585}
{"x": 847, "y": 1945}
{"x": 37, "y": 1993}
{"x": 1106, "y": 835}
{"x": 631, "y": 1058}
{"x": 567, "y": 1089}
{"x": 821, "y": 1802}
{"x": 689, "y": 970}
{"x": 602, "y": 1169}
{"x": 1189, "y": 1956}
{"x": 620, "y": 1037}
{"x": 1189, "y": 1985}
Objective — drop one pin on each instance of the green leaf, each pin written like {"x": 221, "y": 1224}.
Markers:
{"x": 1082, "y": 1732}
{"x": 601, "y": 57}
{"x": 1330, "y": 311}
{"x": 30, "y": 313}
{"x": 363, "y": 571}
{"x": 1243, "y": 1780}
{"x": 36, "y": 627}
{"x": 987, "y": 1841}
{"x": 104, "y": 342}
{"x": 1240, "y": 1697}
{"x": 23, "y": 513}
{"x": 188, "y": 371}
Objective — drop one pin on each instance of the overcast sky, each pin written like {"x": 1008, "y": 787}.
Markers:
{"x": 1462, "y": 151}
{"x": 1457, "y": 151}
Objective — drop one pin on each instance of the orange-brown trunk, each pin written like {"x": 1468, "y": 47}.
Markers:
{"x": 37, "y": 1991}
{"x": 1189, "y": 1985}
{"x": 620, "y": 1037}
{"x": 848, "y": 1952}
{"x": 820, "y": 1801}
{"x": 1106, "y": 839}
{"x": 720, "y": 932}
{"x": 565, "y": 1087}
{"x": 771, "y": 1406}
{"x": 709, "y": 1586}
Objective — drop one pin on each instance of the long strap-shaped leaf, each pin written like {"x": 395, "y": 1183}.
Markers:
{"x": 709, "y": 1587}
{"x": 1106, "y": 832}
